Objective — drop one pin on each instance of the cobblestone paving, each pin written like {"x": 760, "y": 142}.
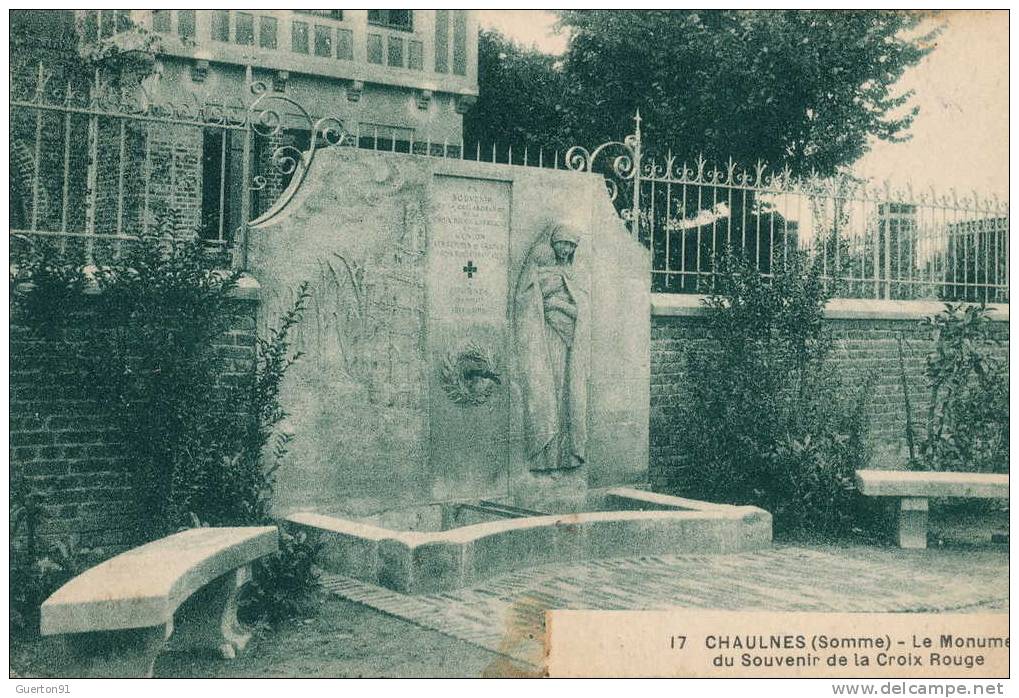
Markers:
{"x": 506, "y": 614}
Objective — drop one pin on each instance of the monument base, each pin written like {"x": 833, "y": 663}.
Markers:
{"x": 458, "y": 544}
{"x": 552, "y": 491}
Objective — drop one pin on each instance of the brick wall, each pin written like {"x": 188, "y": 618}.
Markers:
{"x": 867, "y": 341}
{"x": 74, "y": 458}
{"x": 72, "y": 454}
{"x": 131, "y": 196}
{"x": 175, "y": 175}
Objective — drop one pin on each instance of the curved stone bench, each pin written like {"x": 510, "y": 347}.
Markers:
{"x": 118, "y": 615}
{"x": 913, "y": 488}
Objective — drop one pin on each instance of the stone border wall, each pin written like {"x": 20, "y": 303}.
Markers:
{"x": 867, "y": 337}
{"x": 75, "y": 459}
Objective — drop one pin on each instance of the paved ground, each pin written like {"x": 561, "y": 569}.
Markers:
{"x": 505, "y": 614}
{"x": 495, "y": 628}
{"x": 343, "y": 640}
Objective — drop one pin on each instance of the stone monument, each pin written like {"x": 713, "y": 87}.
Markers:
{"x": 475, "y": 332}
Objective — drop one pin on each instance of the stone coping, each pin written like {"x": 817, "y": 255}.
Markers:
{"x": 639, "y": 497}
{"x": 247, "y": 288}
{"x": 143, "y": 587}
{"x": 691, "y": 305}
{"x": 914, "y": 483}
{"x": 467, "y": 534}
{"x": 335, "y": 524}
{"x": 667, "y": 506}
{"x": 645, "y": 523}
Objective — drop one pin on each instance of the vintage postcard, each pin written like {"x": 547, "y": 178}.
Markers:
{"x": 509, "y": 343}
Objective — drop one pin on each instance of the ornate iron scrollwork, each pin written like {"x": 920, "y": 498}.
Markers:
{"x": 268, "y": 118}
{"x": 625, "y": 166}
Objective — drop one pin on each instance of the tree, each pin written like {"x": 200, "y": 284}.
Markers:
{"x": 521, "y": 97}
{"x": 806, "y": 88}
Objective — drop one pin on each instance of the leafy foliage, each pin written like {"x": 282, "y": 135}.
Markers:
{"x": 37, "y": 569}
{"x": 521, "y": 98}
{"x": 282, "y": 584}
{"x": 74, "y": 48}
{"x": 148, "y": 354}
{"x": 768, "y": 420}
{"x": 807, "y": 88}
{"x": 49, "y": 28}
{"x": 196, "y": 423}
{"x": 34, "y": 575}
{"x": 967, "y": 420}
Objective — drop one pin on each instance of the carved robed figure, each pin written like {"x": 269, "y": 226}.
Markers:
{"x": 551, "y": 306}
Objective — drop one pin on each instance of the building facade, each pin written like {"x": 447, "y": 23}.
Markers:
{"x": 141, "y": 123}
{"x": 408, "y": 74}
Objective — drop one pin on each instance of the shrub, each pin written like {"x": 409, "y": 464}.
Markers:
{"x": 768, "y": 420}
{"x": 34, "y": 575}
{"x": 283, "y": 584}
{"x": 147, "y": 357}
{"x": 37, "y": 569}
{"x": 967, "y": 419}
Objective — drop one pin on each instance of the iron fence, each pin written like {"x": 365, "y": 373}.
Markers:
{"x": 94, "y": 165}
{"x": 870, "y": 241}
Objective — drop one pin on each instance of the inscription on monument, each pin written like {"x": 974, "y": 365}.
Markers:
{"x": 469, "y": 249}
{"x": 468, "y": 288}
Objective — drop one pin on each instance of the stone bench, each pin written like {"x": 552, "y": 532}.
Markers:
{"x": 914, "y": 488}
{"x": 117, "y": 616}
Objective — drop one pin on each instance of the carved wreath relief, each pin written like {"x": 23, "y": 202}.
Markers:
{"x": 469, "y": 375}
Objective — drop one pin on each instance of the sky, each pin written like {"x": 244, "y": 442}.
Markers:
{"x": 959, "y": 139}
